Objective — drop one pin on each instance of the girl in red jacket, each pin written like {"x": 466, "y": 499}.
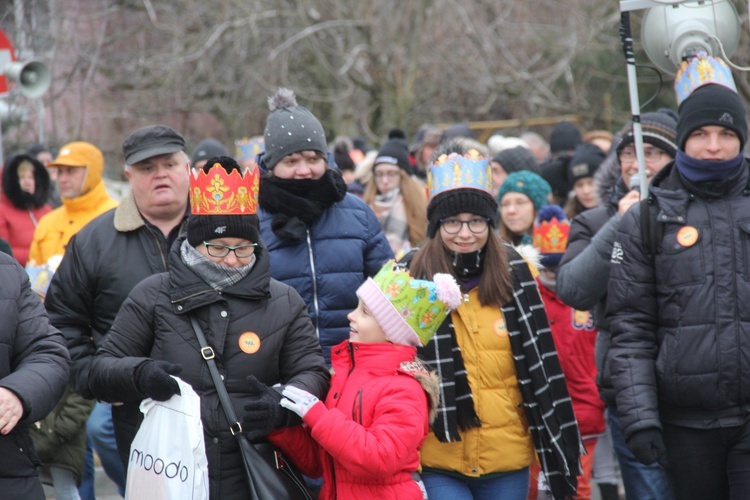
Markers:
{"x": 365, "y": 439}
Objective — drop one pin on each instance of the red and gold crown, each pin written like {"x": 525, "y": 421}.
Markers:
{"x": 551, "y": 236}
{"x": 220, "y": 193}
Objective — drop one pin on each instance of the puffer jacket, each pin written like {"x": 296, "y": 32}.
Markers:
{"x": 574, "y": 335}
{"x": 60, "y": 439}
{"x": 55, "y": 229}
{"x": 365, "y": 439}
{"x": 680, "y": 321}
{"x": 154, "y": 322}
{"x": 583, "y": 274}
{"x": 343, "y": 248}
{"x": 34, "y": 365}
{"x": 102, "y": 264}
{"x": 503, "y": 443}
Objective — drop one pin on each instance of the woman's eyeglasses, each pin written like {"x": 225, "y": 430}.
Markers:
{"x": 221, "y": 251}
{"x": 476, "y": 226}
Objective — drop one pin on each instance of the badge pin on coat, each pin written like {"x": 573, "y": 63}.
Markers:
{"x": 249, "y": 342}
{"x": 687, "y": 236}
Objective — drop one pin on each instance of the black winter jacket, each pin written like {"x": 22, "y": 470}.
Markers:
{"x": 102, "y": 264}
{"x": 680, "y": 322}
{"x": 34, "y": 365}
{"x": 583, "y": 275}
{"x": 154, "y": 322}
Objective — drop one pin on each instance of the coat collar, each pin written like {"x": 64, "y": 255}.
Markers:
{"x": 127, "y": 216}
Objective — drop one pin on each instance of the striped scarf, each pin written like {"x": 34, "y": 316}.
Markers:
{"x": 549, "y": 410}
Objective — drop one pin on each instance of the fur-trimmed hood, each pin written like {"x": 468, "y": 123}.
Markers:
{"x": 429, "y": 381}
{"x": 12, "y": 189}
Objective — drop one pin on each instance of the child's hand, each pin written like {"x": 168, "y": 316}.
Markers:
{"x": 297, "y": 400}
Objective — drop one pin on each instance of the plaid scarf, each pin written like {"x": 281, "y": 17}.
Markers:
{"x": 391, "y": 213}
{"x": 549, "y": 410}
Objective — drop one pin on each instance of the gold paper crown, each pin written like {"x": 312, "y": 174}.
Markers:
{"x": 220, "y": 193}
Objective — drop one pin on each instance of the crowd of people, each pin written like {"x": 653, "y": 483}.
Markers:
{"x": 441, "y": 318}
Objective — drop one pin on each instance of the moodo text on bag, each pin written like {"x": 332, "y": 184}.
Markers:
{"x": 172, "y": 470}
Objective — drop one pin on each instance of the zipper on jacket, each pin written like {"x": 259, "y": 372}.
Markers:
{"x": 357, "y": 408}
{"x": 314, "y": 285}
{"x": 351, "y": 357}
{"x": 159, "y": 246}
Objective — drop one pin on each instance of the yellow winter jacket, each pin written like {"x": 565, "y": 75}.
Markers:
{"x": 503, "y": 442}
{"x": 57, "y": 227}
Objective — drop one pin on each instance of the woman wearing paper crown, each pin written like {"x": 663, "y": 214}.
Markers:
{"x": 678, "y": 298}
{"x": 365, "y": 439}
{"x": 259, "y": 328}
{"x": 503, "y": 400}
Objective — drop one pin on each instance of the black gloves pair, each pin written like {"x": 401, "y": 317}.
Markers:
{"x": 263, "y": 413}
{"x": 153, "y": 379}
{"x": 648, "y": 447}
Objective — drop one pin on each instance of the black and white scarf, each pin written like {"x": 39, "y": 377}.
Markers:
{"x": 297, "y": 203}
{"x": 549, "y": 409}
{"x": 215, "y": 275}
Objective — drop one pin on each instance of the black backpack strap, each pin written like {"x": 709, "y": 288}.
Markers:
{"x": 651, "y": 230}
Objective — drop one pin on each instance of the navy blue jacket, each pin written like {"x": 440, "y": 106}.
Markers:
{"x": 342, "y": 248}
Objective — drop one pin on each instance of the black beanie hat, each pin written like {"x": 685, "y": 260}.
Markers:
{"x": 712, "y": 105}
{"x": 659, "y": 129}
{"x": 202, "y": 228}
{"x": 461, "y": 200}
{"x": 395, "y": 151}
{"x": 585, "y": 162}
{"x": 515, "y": 159}
{"x": 565, "y": 136}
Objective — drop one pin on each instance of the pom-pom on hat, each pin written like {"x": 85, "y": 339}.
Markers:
{"x": 395, "y": 151}
{"x": 223, "y": 202}
{"x": 409, "y": 310}
{"x": 528, "y": 183}
{"x": 551, "y": 231}
{"x": 290, "y": 128}
{"x": 459, "y": 184}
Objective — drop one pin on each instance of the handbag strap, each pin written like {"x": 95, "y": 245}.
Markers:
{"x": 208, "y": 354}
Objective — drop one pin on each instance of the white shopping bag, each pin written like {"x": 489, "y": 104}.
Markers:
{"x": 168, "y": 457}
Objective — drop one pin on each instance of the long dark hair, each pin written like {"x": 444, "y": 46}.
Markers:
{"x": 495, "y": 286}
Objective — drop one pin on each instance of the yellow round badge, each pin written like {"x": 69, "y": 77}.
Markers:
{"x": 687, "y": 236}
{"x": 249, "y": 342}
{"x": 500, "y": 329}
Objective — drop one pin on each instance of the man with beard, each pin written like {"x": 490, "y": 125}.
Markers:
{"x": 323, "y": 241}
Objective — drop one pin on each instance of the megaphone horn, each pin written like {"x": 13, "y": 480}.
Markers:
{"x": 33, "y": 77}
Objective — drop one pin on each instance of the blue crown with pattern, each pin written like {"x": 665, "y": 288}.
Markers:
{"x": 454, "y": 171}
{"x": 699, "y": 71}
{"x": 249, "y": 148}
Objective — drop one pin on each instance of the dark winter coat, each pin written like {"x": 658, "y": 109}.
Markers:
{"x": 102, "y": 264}
{"x": 343, "y": 248}
{"x": 583, "y": 273}
{"x": 680, "y": 321}
{"x": 34, "y": 365}
{"x": 60, "y": 439}
{"x": 154, "y": 322}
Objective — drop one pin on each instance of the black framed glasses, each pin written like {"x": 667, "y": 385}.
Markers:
{"x": 221, "y": 251}
{"x": 453, "y": 226}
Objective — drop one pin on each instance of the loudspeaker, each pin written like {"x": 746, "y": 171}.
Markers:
{"x": 33, "y": 77}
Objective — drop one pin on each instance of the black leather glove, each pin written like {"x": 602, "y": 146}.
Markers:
{"x": 648, "y": 447}
{"x": 153, "y": 379}
{"x": 262, "y": 413}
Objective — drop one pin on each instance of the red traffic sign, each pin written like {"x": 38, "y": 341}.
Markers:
{"x": 6, "y": 57}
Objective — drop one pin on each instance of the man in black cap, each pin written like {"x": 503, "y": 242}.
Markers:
{"x": 114, "y": 252}
{"x": 678, "y": 298}
{"x": 565, "y": 138}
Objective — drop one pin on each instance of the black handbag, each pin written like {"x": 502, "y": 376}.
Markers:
{"x": 268, "y": 474}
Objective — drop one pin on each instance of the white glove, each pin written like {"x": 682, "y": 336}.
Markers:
{"x": 297, "y": 400}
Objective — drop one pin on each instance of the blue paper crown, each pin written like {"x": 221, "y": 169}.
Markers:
{"x": 248, "y": 149}
{"x": 455, "y": 171}
{"x": 699, "y": 71}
